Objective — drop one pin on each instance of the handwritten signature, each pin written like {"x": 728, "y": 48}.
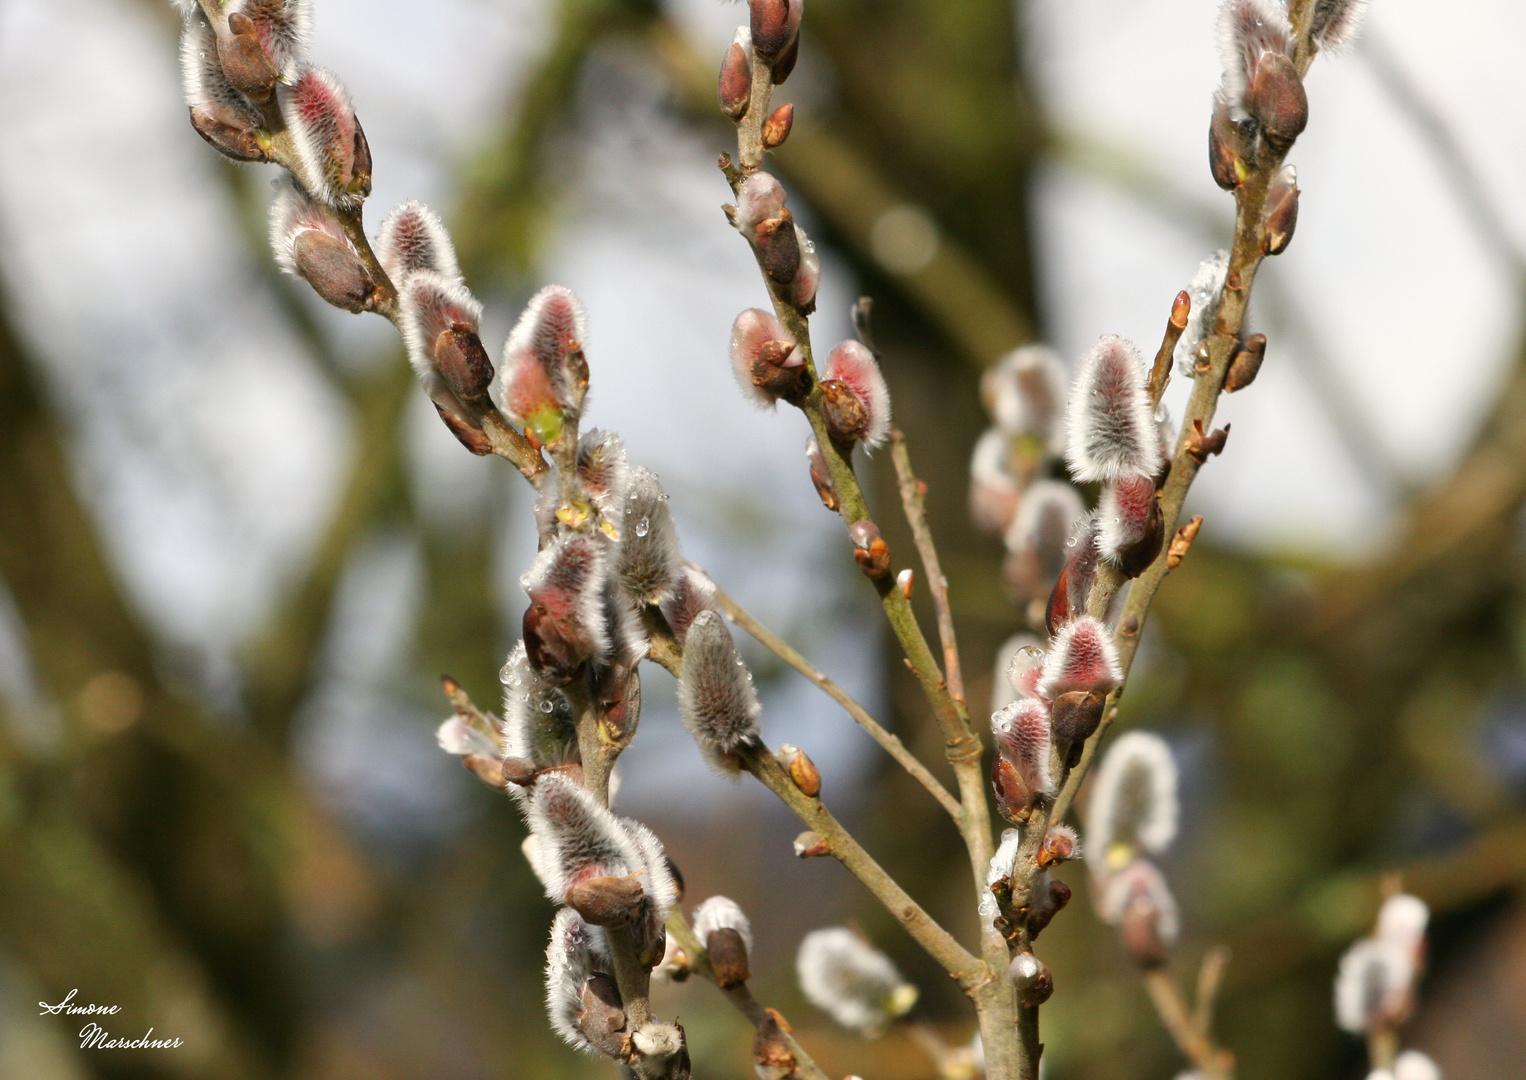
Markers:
{"x": 94, "y": 1037}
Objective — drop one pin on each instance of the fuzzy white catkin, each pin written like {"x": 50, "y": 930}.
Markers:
{"x": 1402, "y": 919}
{"x": 649, "y": 559}
{"x": 412, "y": 238}
{"x": 716, "y": 698}
{"x": 576, "y": 837}
{"x": 1138, "y": 766}
{"x": 1372, "y": 976}
{"x": 1109, "y": 419}
{"x": 575, "y": 952}
{"x": 853, "y": 981}
{"x": 722, "y": 913}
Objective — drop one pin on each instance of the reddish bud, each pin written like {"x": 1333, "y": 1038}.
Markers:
{"x": 845, "y": 415}
{"x": 1246, "y": 364}
{"x": 466, "y": 433}
{"x": 1232, "y": 150}
{"x": 219, "y": 113}
{"x": 820, "y": 477}
{"x": 774, "y": 25}
{"x": 1282, "y": 212}
{"x": 734, "y": 87}
{"x": 1032, "y": 979}
{"x": 759, "y": 198}
{"x": 810, "y": 845}
{"x": 564, "y": 624}
{"x": 1060, "y": 845}
{"x": 869, "y": 549}
{"x": 802, "y": 770}
{"x": 1023, "y": 737}
{"x": 1277, "y": 99}
{"x": 786, "y": 61}
{"x": 777, "y": 127}
{"x": 544, "y": 374}
{"x": 1074, "y": 586}
{"x": 1013, "y": 799}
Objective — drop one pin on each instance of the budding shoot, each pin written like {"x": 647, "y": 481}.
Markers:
{"x": 764, "y": 359}
{"x": 854, "y": 367}
{"x": 649, "y": 561}
{"x": 310, "y": 243}
{"x": 544, "y": 375}
{"x": 727, "y": 935}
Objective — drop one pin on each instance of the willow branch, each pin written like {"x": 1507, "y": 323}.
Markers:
{"x": 893, "y": 745}
{"x": 740, "y": 996}
{"x": 1190, "y": 1038}
{"x": 966, "y": 968}
{"x": 913, "y": 501}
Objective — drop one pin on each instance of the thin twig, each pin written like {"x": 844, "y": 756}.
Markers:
{"x": 893, "y": 745}
{"x": 913, "y": 501}
{"x": 1194, "y": 1043}
{"x": 966, "y": 968}
{"x": 1210, "y": 977}
{"x": 740, "y": 996}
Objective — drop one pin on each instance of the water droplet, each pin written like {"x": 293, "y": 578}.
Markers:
{"x": 546, "y": 706}
{"x": 643, "y": 526}
{"x": 1160, "y": 414}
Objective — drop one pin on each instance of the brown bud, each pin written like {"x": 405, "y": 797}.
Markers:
{"x": 1139, "y": 932}
{"x": 735, "y": 85}
{"x": 1134, "y": 559}
{"x": 1277, "y": 98}
{"x": 1204, "y": 446}
{"x": 771, "y": 371}
{"x": 777, "y": 127}
{"x": 473, "y": 438}
{"x": 873, "y": 560}
{"x": 605, "y": 901}
{"x": 1247, "y": 362}
{"x": 485, "y": 769}
{"x": 845, "y": 414}
{"x": 728, "y": 957}
{"x": 360, "y": 165}
{"x": 1013, "y": 799}
{"x": 1046, "y": 905}
{"x": 617, "y": 691}
{"x": 779, "y": 248}
{"x": 786, "y": 62}
{"x": 1281, "y": 219}
{"x": 1057, "y": 847}
{"x": 1181, "y": 309}
{"x": 1078, "y": 714}
{"x": 771, "y": 1053}
{"x": 810, "y": 845}
{"x": 1232, "y": 152}
{"x": 1181, "y": 543}
{"x": 518, "y": 770}
{"x": 229, "y": 133}
{"x": 774, "y": 25}
{"x": 802, "y": 770}
{"x": 602, "y": 1017}
{"x": 463, "y": 364}
{"x": 243, "y": 59}
{"x": 333, "y": 269}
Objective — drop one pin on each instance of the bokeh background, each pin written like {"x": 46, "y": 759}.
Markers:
{"x": 237, "y": 550}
